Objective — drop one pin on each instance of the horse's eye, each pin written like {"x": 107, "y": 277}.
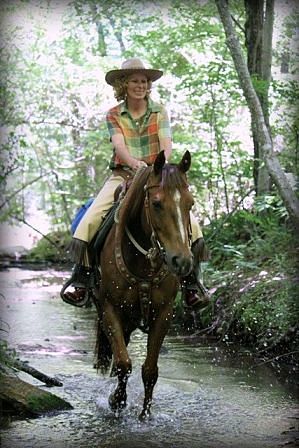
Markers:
{"x": 157, "y": 205}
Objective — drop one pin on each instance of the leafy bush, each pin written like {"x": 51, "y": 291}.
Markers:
{"x": 254, "y": 274}
{"x": 250, "y": 238}
{"x": 53, "y": 248}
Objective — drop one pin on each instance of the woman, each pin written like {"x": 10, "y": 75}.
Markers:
{"x": 139, "y": 129}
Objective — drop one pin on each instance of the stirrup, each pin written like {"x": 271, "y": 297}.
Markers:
{"x": 79, "y": 303}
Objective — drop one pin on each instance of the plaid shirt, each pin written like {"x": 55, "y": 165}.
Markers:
{"x": 142, "y": 136}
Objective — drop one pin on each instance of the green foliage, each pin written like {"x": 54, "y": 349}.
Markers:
{"x": 48, "y": 104}
{"x": 253, "y": 268}
{"x": 204, "y": 84}
{"x": 53, "y": 248}
{"x": 6, "y": 354}
{"x": 54, "y": 100}
{"x": 268, "y": 307}
{"x": 260, "y": 85}
{"x": 247, "y": 237}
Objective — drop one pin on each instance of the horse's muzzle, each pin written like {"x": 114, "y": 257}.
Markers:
{"x": 178, "y": 264}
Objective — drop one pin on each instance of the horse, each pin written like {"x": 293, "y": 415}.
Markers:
{"x": 145, "y": 253}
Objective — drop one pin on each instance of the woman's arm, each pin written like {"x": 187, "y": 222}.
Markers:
{"x": 164, "y": 133}
{"x": 166, "y": 146}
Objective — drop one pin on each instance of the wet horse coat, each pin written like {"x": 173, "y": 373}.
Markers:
{"x": 145, "y": 254}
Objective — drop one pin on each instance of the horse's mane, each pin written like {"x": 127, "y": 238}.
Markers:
{"x": 132, "y": 202}
{"x": 130, "y": 209}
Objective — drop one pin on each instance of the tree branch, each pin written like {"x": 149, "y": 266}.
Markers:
{"x": 238, "y": 24}
{"x": 35, "y": 229}
{"x": 49, "y": 381}
{"x": 216, "y": 231}
{"x": 275, "y": 358}
{"x": 15, "y": 193}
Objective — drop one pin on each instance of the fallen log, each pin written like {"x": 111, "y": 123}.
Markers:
{"x": 19, "y": 397}
{"x": 25, "y": 367}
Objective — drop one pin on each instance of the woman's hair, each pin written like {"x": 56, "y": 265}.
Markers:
{"x": 120, "y": 88}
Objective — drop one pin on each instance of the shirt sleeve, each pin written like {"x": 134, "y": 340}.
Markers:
{"x": 164, "y": 130}
{"x": 112, "y": 121}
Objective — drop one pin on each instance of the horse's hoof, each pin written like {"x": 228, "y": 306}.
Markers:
{"x": 145, "y": 415}
{"x": 116, "y": 404}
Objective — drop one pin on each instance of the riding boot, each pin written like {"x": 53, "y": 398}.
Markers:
{"x": 193, "y": 291}
{"x": 82, "y": 280}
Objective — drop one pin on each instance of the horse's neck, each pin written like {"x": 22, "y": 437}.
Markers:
{"x": 132, "y": 212}
{"x": 141, "y": 230}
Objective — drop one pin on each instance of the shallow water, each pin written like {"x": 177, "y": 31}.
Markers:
{"x": 207, "y": 396}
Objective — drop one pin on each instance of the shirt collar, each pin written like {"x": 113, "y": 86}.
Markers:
{"x": 151, "y": 107}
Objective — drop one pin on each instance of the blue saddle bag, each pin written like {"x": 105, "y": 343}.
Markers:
{"x": 79, "y": 214}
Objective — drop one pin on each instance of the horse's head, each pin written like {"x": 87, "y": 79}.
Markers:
{"x": 168, "y": 204}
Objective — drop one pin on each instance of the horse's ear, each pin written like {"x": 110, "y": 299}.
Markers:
{"x": 185, "y": 163}
{"x": 159, "y": 162}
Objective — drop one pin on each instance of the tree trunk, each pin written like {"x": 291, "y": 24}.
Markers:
{"x": 264, "y": 183}
{"x": 258, "y": 40}
{"x": 275, "y": 170}
{"x": 118, "y": 35}
{"x": 102, "y": 47}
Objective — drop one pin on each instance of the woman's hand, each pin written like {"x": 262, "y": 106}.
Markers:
{"x": 123, "y": 153}
{"x": 136, "y": 164}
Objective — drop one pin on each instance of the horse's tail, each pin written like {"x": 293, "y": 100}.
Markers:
{"x": 103, "y": 352}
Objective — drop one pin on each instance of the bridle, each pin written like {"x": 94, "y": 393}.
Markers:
{"x": 156, "y": 250}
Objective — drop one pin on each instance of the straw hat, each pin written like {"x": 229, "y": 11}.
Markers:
{"x": 129, "y": 67}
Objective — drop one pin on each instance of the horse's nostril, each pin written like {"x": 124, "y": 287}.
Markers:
{"x": 181, "y": 265}
{"x": 175, "y": 261}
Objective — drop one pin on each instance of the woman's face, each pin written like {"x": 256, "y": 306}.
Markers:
{"x": 137, "y": 86}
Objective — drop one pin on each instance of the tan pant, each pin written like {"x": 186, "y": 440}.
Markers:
{"x": 92, "y": 219}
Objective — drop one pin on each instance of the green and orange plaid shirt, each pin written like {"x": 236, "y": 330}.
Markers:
{"x": 142, "y": 136}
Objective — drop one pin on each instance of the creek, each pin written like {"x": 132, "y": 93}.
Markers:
{"x": 208, "y": 395}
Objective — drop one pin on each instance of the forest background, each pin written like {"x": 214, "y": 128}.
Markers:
{"x": 55, "y": 148}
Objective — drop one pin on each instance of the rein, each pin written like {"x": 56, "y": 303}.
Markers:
{"x": 156, "y": 248}
{"x": 134, "y": 242}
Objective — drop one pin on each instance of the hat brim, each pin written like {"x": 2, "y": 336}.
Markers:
{"x": 114, "y": 75}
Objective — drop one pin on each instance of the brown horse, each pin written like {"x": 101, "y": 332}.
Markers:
{"x": 145, "y": 254}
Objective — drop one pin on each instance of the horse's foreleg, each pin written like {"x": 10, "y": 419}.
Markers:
{"x": 103, "y": 350}
{"x": 157, "y": 333}
{"x": 113, "y": 371}
{"x": 122, "y": 362}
